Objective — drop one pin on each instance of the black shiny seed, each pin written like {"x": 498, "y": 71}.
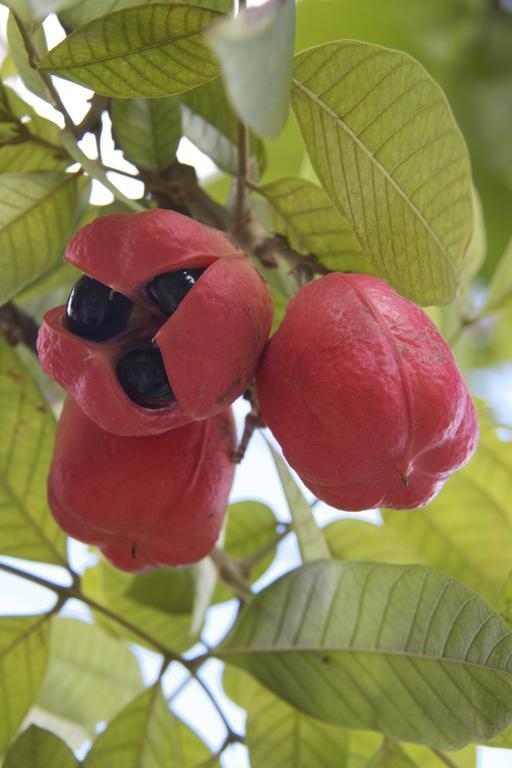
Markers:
{"x": 170, "y": 288}
{"x": 142, "y": 375}
{"x": 95, "y": 311}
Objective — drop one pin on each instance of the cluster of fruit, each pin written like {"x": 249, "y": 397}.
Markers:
{"x": 169, "y": 325}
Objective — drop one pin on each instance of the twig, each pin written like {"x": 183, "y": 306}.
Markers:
{"x": 57, "y": 588}
{"x": 178, "y": 188}
{"x": 253, "y": 421}
{"x": 18, "y": 327}
{"x": 230, "y": 575}
{"x": 92, "y": 120}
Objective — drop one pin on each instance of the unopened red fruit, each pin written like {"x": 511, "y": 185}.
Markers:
{"x": 159, "y": 279}
{"x": 364, "y": 396}
{"x": 145, "y": 501}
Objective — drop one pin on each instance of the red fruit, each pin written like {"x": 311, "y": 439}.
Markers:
{"x": 364, "y": 396}
{"x": 210, "y": 345}
{"x": 145, "y": 501}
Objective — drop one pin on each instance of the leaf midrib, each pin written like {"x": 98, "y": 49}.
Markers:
{"x": 34, "y": 627}
{"x": 322, "y": 105}
{"x": 130, "y": 51}
{"x": 322, "y": 649}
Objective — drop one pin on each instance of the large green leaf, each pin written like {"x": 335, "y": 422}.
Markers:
{"x": 256, "y": 52}
{"x": 159, "y": 602}
{"x": 210, "y": 123}
{"x": 37, "y": 215}
{"x": 87, "y": 10}
{"x": 279, "y": 736}
{"x": 146, "y": 735}
{"x": 23, "y": 659}
{"x": 350, "y": 539}
{"x": 148, "y": 50}
{"x": 147, "y": 130}
{"x": 387, "y": 150}
{"x": 38, "y": 748}
{"x": 400, "y": 649}
{"x": 91, "y": 675}
{"x": 27, "y": 529}
{"x": 467, "y": 530}
{"x": 311, "y": 540}
{"x": 303, "y": 212}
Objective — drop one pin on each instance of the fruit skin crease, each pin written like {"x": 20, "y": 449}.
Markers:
{"x": 210, "y": 345}
{"x": 364, "y": 396}
{"x": 147, "y": 501}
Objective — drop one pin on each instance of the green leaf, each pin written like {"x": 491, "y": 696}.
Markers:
{"x": 146, "y": 735}
{"x": 23, "y": 659}
{"x": 500, "y": 287}
{"x": 37, "y": 215}
{"x": 279, "y": 736}
{"x": 210, "y": 123}
{"x": 502, "y": 741}
{"x": 87, "y": 10}
{"x": 385, "y": 146}
{"x": 303, "y": 212}
{"x": 467, "y": 530}
{"x": 147, "y": 130}
{"x": 160, "y": 602}
{"x": 154, "y": 50}
{"x": 400, "y": 649}
{"x": 256, "y": 52}
{"x": 31, "y": 78}
{"x": 250, "y": 530}
{"x": 27, "y": 529}
{"x": 311, "y": 540}
{"x": 91, "y": 675}
{"x": 390, "y": 755}
{"x": 38, "y": 748}
{"x": 476, "y": 252}
{"x": 36, "y": 10}
{"x": 350, "y": 539}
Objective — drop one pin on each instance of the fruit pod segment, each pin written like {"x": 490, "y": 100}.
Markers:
{"x": 211, "y": 346}
{"x": 87, "y": 370}
{"x": 126, "y": 250}
{"x": 144, "y": 501}
{"x": 364, "y": 396}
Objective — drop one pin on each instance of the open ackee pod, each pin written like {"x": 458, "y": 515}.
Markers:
{"x": 210, "y": 345}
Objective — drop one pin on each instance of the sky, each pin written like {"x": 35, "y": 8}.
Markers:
{"x": 255, "y": 479}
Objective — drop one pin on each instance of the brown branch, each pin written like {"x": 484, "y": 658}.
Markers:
{"x": 18, "y": 327}
{"x": 177, "y": 188}
{"x": 92, "y": 120}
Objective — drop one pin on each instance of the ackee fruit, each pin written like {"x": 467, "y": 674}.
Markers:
{"x": 157, "y": 500}
{"x": 160, "y": 282}
{"x": 364, "y": 396}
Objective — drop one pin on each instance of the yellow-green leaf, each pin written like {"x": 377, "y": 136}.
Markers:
{"x": 23, "y": 659}
{"x": 404, "y": 650}
{"x": 146, "y": 735}
{"x": 386, "y": 148}
{"x": 37, "y": 215}
{"x": 149, "y": 50}
{"x": 27, "y": 529}
{"x": 39, "y": 748}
